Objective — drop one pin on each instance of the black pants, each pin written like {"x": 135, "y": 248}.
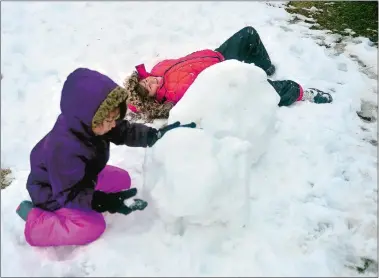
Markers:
{"x": 246, "y": 46}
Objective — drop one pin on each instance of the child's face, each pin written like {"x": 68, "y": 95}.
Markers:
{"x": 108, "y": 123}
{"x": 151, "y": 84}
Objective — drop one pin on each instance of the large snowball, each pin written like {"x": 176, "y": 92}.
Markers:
{"x": 201, "y": 175}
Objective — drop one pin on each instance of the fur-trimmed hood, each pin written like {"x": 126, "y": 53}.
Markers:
{"x": 88, "y": 96}
{"x": 147, "y": 108}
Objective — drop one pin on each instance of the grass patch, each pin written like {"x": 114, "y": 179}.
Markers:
{"x": 368, "y": 265}
{"x": 340, "y": 16}
{"x": 6, "y": 179}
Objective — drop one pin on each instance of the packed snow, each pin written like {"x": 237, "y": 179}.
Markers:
{"x": 311, "y": 184}
{"x": 201, "y": 176}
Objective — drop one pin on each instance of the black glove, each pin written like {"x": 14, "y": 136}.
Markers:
{"x": 160, "y": 132}
{"x": 114, "y": 202}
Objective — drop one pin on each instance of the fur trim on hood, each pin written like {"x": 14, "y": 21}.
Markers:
{"x": 114, "y": 99}
{"x": 148, "y": 107}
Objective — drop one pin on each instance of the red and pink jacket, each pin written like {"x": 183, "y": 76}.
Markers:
{"x": 179, "y": 74}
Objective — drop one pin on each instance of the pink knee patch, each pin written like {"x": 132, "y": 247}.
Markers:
{"x": 63, "y": 227}
{"x": 113, "y": 179}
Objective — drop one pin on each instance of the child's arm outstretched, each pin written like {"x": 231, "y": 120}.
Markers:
{"x": 132, "y": 134}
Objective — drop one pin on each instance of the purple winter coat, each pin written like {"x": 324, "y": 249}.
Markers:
{"x": 66, "y": 162}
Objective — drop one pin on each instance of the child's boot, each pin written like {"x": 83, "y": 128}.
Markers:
{"x": 317, "y": 96}
{"x": 24, "y": 208}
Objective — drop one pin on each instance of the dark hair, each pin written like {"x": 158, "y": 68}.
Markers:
{"x": 141, "y": 91}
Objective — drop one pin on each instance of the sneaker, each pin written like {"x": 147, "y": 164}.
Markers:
{"x": 317, "y": 96}
{"x": 271, "y": 70}
{"x": 24, "y": 208}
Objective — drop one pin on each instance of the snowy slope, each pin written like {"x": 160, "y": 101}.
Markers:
{"x": 313, "y": 195}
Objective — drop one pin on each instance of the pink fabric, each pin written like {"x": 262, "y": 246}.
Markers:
{"x": 133, "y": 108}
{"x": 142, "y": 74}
{"x": 141, "y": 70}
{"x": 301, "y": 94}
{"x": 178, "y": 74}
{"x": 74, "y": 227}
{"x": 113, "y": 179}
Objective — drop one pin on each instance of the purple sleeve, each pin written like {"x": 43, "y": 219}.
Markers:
{"x": 67, "y": 178}
{"x": 132, "y": 134}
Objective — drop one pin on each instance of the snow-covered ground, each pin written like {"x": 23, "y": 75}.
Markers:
{"x": 312, "y": 195}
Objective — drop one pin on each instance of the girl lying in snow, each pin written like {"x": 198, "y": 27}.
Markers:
{"x": 155, "y": 93}
{"x": 69, "y": 183}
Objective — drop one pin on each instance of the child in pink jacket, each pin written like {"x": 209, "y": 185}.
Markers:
{"x": 157, "y": 91}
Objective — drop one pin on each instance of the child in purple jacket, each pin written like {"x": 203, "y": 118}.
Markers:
{"x": 70, "y": 183}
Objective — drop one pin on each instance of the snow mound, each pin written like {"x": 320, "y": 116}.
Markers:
{"x": 231, "y": 99}
{"x": 202, "y": 175}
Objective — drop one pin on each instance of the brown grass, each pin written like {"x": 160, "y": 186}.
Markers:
{"x": 6, "y": 178}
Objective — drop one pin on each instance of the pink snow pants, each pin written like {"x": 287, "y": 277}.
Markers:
{"x": 70, "y": 226}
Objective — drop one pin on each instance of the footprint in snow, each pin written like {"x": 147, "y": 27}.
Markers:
{"x": 60, "y": 254}
{"x": 286, "y": 29}
{"x": 342, "y": 67}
